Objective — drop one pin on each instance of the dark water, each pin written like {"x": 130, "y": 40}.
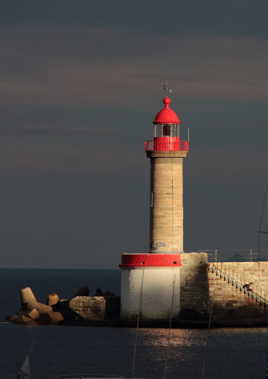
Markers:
{"x": 160, "y": 353}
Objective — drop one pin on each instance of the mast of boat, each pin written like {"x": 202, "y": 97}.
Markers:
{"x": 260, "y": 226}
{"x": 25, "y": 369}
{"x": 210, "y": 316}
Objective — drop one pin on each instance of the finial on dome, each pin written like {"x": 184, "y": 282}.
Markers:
{"x": 166, "y": 100}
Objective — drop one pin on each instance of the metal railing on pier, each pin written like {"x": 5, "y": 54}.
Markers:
{"x": 230, "y": 279}
{"x": 234, "y": 255}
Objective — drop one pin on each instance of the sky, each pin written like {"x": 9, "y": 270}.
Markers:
{"x": 80, "y": 83}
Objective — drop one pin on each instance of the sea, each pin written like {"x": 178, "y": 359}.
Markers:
{"x": 166, "y": 353}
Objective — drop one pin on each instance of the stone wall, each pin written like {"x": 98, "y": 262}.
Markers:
{"x": 203, "y": 292}
{"x": 194, "y": 285}
{"x": 229, "y": 302}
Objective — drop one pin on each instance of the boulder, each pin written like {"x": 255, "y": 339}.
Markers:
{"x": 33, "y": 314}
{"x": 28, "y": 299}
{"x": 20, "y": 319}
{"x": 43, "y": 308}
{"x": 52, "y": 299}
{"x": 51, "y": 317}
{"x": 30, "y": 302}
{"x": 55, "y": 317}
{"x": 89, "y": 307}
{"x": 63, "y": 307}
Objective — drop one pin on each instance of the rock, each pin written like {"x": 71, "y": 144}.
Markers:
{"x": 55, "y": 317}
{"x": 52, "y": 299}
{"x": 63, "y": 307}
{"x": 89, "y": 307}
{"x": 25, "y": 319}
{"x": 34, "y": 314}
{"x": 20, "y": 319}
{"x": 28, "y": 299}
{"x": 43, "y": 308}
{"x": 51, "y": 317}
{"x": 12, "y": 318}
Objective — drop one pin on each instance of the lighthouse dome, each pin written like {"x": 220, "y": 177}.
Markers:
{"x": 166, "y": 115}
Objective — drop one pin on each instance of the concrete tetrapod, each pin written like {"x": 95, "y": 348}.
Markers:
{"x": 29, "y": 302}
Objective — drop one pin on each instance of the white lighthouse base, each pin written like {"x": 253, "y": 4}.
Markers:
{"x": 152, "y": 293}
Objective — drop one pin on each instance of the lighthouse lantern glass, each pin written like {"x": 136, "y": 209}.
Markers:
{"x": 166, "y": 130}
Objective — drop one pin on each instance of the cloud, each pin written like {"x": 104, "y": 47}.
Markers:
{"x": 150, "y": 17}
{"x": 242, "y": 165}
{"x": 98, "y": 155}
{"x": 99, "y": 84}
{"x": 100, "y": 67}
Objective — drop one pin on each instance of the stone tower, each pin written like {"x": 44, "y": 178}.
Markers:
{"x": 150, "y": 282}
{"x": 166, "y": 153}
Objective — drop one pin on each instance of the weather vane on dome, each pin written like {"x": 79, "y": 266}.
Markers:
{"x": 166, "y": 87}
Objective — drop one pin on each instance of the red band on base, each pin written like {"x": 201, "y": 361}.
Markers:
{"x": 150, "y": 260}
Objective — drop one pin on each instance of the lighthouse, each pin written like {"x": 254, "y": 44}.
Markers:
{"x": 166, "y": 152}
{"x": 150, "y": 282}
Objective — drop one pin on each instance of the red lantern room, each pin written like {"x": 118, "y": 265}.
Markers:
{"x": 166, "y": 131}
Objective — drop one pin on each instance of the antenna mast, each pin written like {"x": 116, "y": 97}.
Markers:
{"x": 166, "y": 87}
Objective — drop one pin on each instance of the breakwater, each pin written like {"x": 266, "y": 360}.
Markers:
{"x": 211, "y": 293}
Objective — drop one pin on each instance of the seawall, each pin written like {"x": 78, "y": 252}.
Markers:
{"x": 217, "y": 291}
{"x": 231, "y": 302}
